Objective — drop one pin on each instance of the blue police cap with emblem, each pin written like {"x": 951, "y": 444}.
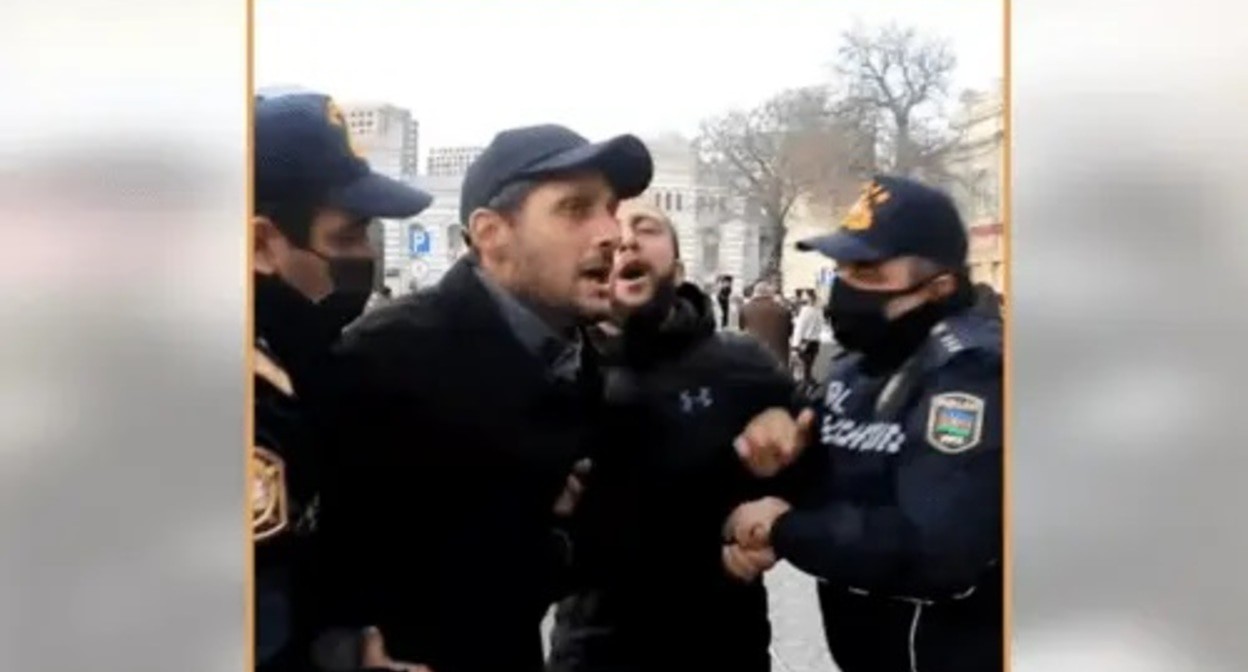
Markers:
{"x": 303, "y": 150}
{"x": 897, "y": 217}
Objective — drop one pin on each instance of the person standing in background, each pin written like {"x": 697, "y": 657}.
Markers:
{"x": 806, "y": 333}
{"x": 766, "y": 319}
{"x": 723, "y": 299}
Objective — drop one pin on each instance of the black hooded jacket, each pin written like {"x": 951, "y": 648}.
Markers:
{"x": 647, "y": 536}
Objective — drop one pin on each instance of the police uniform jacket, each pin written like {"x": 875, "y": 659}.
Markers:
{"x": 452, "y": 442}
{"x": 648, "y": 531}
{"x": 283, "y": 507}
{"x": 904, "y": 531}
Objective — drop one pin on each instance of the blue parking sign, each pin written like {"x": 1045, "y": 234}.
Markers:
{"x": 419, "y": 242}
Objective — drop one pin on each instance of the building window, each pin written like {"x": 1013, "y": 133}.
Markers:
{"x": 710, "y": 250}
{"x": 658, "y": 200}
{"x": 667, "y": 200}
{"x": 678, "y": 205}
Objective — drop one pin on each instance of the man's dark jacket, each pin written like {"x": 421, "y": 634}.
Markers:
{"x": 647, "y": 536}
{"x": 452, "y": 444}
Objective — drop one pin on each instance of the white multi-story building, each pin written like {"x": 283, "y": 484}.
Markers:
{"x": 387, "y": 135}
{"x": 451, "y": 161}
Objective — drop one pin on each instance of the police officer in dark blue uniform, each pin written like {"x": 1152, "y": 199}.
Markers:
{"x": 904, "y": 525}
{"x": 313, "y": 273}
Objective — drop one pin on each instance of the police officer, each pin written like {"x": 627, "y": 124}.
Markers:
{"x": 313, "y": 272}
{"x": 904, "y": 526}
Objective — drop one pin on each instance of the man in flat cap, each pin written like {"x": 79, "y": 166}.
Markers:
{"x": 471, "y": 402}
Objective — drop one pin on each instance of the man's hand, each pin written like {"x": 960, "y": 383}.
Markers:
{"x": 572, "y": 490}
{"x": 749, "y": 526}
{"x": 747, "y": 564}
{"x": 373, "y": 655}
{"x": 773, "y": 440}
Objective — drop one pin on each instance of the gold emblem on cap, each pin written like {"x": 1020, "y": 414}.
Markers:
{"x": 862, "y": 215}
{"x": 269, "y": 505}
{"x": 337, "y": 119}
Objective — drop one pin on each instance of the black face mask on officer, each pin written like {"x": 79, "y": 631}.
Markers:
{"x": 352, "y": 278}
{"x": 301, "y": 329}
{"x": 860, "y": 322}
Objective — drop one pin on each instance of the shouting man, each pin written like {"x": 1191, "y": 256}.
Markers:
{"x": 648, "y": 550}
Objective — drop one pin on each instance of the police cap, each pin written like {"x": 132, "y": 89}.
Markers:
{"x": 303, "y": 150}
{"x": 897, "y": 217}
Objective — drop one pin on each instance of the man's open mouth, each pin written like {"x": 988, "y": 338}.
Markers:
{"x": 633, "y": 270}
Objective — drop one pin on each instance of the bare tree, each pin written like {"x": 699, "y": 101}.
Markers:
{"x": 900, "y": 79}
{"x": 791, "y": 146}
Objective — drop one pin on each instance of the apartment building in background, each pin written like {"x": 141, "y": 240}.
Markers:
{"x": 388, "y": 135}
{"x": 451, "y": 161}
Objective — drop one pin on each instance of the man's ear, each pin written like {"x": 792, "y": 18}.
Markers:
{"x": 943, "y": 286}
{"x": 266, "y": 239}
{"x": 485, "y": 229}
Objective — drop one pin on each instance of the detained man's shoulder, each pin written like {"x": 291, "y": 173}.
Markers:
{"x": 412, "y": 319}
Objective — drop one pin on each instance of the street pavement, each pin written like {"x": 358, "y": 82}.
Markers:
{"x": 797, "y": 643}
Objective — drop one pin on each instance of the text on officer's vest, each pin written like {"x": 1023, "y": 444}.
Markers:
{"x": 866, "y": 437}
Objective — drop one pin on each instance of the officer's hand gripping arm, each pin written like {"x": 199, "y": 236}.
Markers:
{"x": 942, "y": 531}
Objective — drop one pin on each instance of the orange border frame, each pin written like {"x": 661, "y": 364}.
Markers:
{"x": 249, "y": 340}
{"x": 1007, "y": 218}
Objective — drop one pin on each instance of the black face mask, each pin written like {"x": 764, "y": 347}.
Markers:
{"x": 302, "y": 331}
{"x": 859, "y": 323}
{"x": 353, "y": 284}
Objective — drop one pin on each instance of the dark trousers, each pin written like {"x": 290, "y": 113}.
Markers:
{"x": 874, "y": 634}
{"x": 806, "y": 354}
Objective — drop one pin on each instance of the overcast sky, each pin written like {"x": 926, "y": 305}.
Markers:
{"x": 468, "y": 68}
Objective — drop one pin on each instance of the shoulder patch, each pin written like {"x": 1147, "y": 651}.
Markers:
{"x": 955, "y": 423}
{"x": 269, "y": 506}
{"x": 276, "y": 376}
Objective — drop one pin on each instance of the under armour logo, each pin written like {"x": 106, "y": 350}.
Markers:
{"x": 688, "y": 401}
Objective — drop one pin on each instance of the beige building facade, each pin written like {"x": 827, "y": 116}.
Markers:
{"x": 978, "y": 168}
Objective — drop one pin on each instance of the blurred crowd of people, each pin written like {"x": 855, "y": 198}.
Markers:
{"x": 565, "y": 420}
